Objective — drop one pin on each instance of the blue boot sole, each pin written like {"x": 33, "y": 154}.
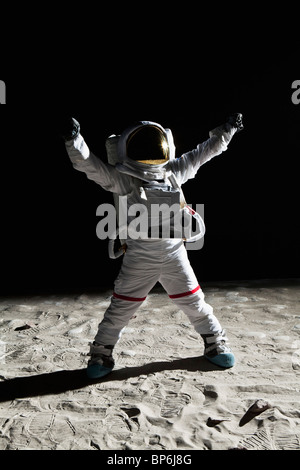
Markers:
{"x": 225, "y": 360}
{"x": 96, "y": 371}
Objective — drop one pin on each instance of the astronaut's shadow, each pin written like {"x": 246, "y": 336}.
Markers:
{"x": 65, "y": 380}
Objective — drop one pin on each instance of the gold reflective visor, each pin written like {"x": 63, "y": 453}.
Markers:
{"x": 148, "y": 145}
{"x": 153, "y": 162}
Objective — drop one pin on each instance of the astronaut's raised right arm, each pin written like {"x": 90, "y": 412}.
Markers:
{"x": 84, "y": 160}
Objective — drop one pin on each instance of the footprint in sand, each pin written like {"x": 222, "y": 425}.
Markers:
{"x": 173, "y": 404}
{"x": 50, "y": 427}
{"x": 265, "y": 440}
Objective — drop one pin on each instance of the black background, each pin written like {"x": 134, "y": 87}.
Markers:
{"x": 184, "y": 81}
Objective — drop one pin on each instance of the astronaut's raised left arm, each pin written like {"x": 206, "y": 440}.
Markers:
{"x": 189, "y": 163}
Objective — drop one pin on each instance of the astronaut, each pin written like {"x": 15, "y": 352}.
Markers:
{"x": 142, "y": 168}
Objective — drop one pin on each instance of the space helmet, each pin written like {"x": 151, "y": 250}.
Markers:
{"x": 144, "y": 144}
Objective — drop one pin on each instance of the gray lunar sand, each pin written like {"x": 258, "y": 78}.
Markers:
{"x": 162, "y": 394}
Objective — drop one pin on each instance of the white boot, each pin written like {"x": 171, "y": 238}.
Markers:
{"x": 217, "y": 350}
{"x": 101, "y": 362}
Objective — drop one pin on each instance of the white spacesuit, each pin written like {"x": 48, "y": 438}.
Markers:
{"x": 144, "y": 169}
